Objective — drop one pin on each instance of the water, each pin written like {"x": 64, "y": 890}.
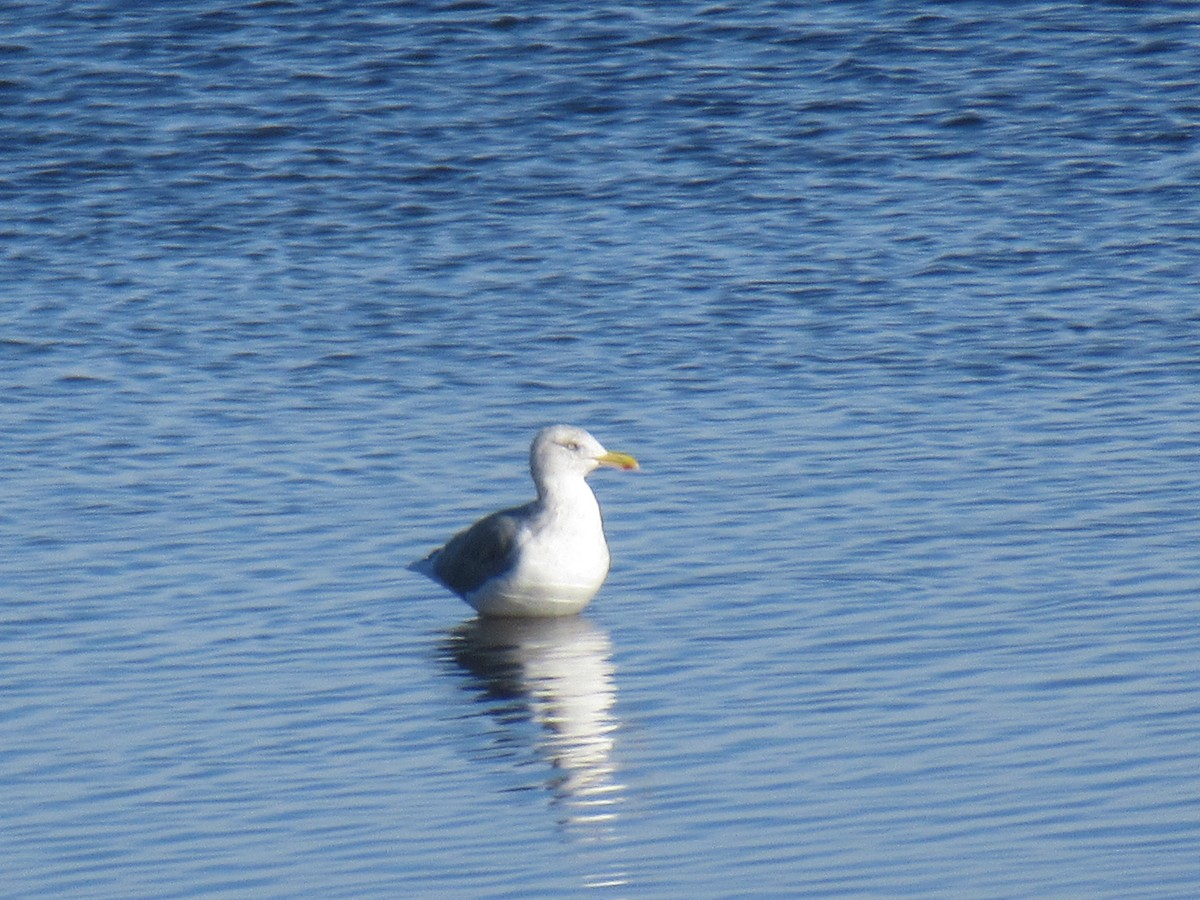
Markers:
{"x": 895, "y": 303}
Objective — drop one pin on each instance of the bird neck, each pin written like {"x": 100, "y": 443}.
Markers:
{"x": 565, "y": 493}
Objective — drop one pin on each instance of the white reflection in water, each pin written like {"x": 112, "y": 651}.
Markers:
{"x": 559, "y": 672}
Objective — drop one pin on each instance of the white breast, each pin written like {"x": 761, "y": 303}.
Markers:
{"x": 562, "y": 561}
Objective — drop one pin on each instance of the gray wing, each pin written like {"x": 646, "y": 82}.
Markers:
{"x": 483, "y": 551}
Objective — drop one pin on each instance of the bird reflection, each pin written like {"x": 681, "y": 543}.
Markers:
{"x": 558, "y": 673}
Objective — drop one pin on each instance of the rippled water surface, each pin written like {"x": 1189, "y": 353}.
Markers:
{"x": 896, "y": 303}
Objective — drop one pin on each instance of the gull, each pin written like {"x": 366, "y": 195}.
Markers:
{"x": 546, "y": 558}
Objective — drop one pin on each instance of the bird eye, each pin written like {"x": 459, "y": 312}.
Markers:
{"x": 573, "y": 446}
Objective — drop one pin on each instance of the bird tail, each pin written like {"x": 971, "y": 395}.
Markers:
{"x": 424, "y": 565}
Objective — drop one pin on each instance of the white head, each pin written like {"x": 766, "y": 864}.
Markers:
{"x": 563, "y": 449}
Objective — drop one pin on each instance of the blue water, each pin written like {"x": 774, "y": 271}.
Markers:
{"x": 896, "y": 303}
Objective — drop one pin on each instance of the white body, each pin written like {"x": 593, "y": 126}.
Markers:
{"x": 562, "y": 560}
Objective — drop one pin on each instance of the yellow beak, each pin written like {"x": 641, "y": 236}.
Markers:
{"x": 617, "y": 460}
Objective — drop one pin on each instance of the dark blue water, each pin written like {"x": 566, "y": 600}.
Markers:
{"x": 896, "y": 303}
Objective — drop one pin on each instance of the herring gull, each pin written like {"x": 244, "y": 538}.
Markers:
{"x": 546, "y": 558}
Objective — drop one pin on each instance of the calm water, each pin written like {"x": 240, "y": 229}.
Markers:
{"x": 896, "y": 302}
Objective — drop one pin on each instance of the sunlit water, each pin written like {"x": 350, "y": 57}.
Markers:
{"x": 895, "y": 304}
